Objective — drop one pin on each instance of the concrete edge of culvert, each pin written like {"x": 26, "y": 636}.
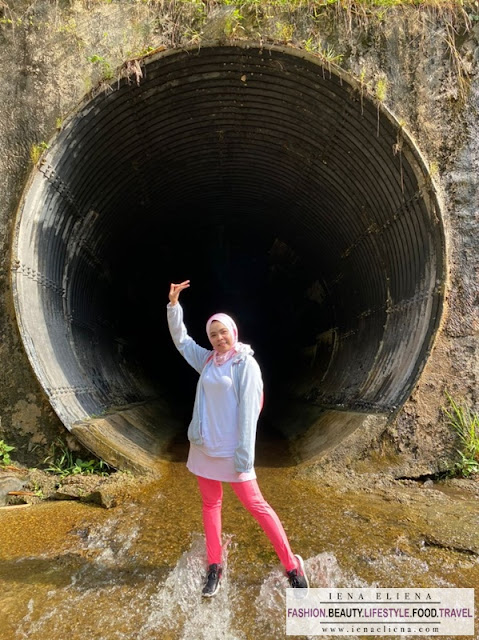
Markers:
{"x": 102, "y": 437}
{"x": 125, "y": 438}
{"x": 337, "y": 438}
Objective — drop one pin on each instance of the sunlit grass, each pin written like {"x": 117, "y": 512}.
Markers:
{"x": 465, "y": 423}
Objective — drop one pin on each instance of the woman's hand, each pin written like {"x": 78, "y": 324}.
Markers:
{"x": 176, "y": 289}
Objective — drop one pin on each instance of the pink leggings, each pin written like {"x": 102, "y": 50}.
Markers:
{"x": 250, "y": 495}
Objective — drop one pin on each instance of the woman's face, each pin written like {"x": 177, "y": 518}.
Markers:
{"x": 220, "y": 337}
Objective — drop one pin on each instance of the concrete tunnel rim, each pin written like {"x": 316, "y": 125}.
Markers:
{"x": 429, "y": 190}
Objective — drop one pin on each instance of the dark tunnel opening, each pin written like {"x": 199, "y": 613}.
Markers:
{"x": 289, "y": 199}
{"x": 254, "y": 277}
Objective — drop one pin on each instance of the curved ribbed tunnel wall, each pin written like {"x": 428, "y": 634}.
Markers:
{"x": 290, "y": 200}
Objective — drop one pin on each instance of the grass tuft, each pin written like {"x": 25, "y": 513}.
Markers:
{"x": 36, "y": 151}
{"x": 465, "y": 423}
{"x": 63, "y": 463}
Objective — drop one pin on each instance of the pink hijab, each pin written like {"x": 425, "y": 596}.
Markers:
{"x": 230, "y": 324}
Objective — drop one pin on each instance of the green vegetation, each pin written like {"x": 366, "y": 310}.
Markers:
{"x": 63, "y": 463}
{"x": 381, "y": 89}
{"x": 37, "y": 490}
{"x": 330, "y": 55}
{"x": 5, "y": 449}
{"x": 18, "y": 22}
{"x": 233, "y": 24}
{"x": 103, "y": 64}
{"x": 284, "y": 31}
{"x": 302, "y": 23}
{"x": 36, "y": 151}
{"x": 466, "y": 425}
{"x": 298, "y": 4}
{"x": 315, "y": 5}
{"x": 141, "y": 53}
{"x": 68, "y": 27}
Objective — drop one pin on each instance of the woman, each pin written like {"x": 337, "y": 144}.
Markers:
{"x": 222, "y": 435}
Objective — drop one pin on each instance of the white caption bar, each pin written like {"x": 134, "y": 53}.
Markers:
{"x": 380, "y": 612}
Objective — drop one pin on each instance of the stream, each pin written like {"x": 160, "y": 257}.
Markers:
{"x": 135, "y": 572}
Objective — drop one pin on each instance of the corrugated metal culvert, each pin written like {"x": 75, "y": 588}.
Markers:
{"x": 290, "y": 199}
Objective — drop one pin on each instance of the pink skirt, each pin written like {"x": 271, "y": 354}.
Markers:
{"x": 215, "y": 468}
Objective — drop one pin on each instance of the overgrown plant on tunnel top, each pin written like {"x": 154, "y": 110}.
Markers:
{"x": 351, "y": 4}
{"x": 465, "y": 423}
{"x": 181, "y": 23}
{"x": 36, "y": 151}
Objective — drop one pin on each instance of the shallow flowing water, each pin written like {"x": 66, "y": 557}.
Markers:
{"x": 69, "y": 570}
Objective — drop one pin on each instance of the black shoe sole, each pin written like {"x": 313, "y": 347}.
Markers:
{"x": 210, "y": 595}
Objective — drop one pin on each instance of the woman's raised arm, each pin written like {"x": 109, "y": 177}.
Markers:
{"x": 195, "y": 355}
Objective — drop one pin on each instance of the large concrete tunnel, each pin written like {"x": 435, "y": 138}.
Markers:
{"x": 290, "y": 198}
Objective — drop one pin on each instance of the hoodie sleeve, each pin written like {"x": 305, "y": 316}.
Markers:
{"x": 249, "y": 407}
{"x": 194, "y": 355}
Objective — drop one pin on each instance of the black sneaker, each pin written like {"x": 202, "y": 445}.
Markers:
{"x": 212, "y": 581}
{"x": 298, "y": 579}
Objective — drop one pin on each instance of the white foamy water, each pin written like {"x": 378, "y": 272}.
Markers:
{"x": 96, "y": 594}
{"x": 109, "y": 544}
{"x": 178, "y": 607}
{"x": 322, "y": 571}
{"x": 110, "y": 598}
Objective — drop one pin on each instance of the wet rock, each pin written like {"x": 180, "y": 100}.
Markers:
{"x": 86, "y": 488}
{"x": 43, "y": 484}
{"x": 81, "y": 532}
{"x": 404, "y": 546}
{"x": 9, "y": 483}
{"x": 87, "y": 482}
{"x": 36, "y": 485}
{"x": 464, "y": 486}
{"x": 69, "y": 493}
{"x": 465, "y": 543}
{"x": 105, "y": 491}
{"x": 102, "y": 498}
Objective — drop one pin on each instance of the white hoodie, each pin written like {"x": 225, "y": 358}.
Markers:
{"x": 247, "y": 386}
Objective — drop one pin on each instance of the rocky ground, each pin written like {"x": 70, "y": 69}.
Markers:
{"x": 350, "y": 480}
{"x": 445, "y": 509}
{"x": 21, "y": 486}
